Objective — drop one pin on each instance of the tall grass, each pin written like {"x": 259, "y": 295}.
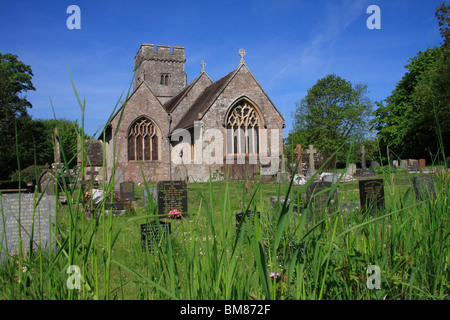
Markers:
{"x": 207, "y": 256}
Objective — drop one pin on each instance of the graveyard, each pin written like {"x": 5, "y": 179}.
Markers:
{"x": 316, "y": 245}
{"x": 285, "y": 183}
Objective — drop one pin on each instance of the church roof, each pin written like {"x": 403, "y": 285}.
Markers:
{"x": 170, "y": 105}
{"x": 204, "y": 101}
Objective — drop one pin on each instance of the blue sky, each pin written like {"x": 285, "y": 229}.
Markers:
{"x": 289, "y": 45}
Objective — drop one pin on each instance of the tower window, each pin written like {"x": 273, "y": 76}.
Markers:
{"x": 165, "y": 79}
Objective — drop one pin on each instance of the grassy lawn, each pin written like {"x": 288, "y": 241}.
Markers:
{"x": 281, "y": 257}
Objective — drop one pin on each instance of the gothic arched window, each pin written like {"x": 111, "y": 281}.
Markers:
{"x": 142, "y": 140}
{"x": 242, "y": 130}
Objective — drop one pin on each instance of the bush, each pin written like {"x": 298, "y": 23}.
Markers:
{"x": 28, "y": 174}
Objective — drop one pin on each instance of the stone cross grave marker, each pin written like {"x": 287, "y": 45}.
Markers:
{"x": 311, "y": 151}
{"x": 363, "y": 153}
{"x": 172, "y": 195}
{"x": 44, "y": 216}
{"x": 127, "y": 190}
{"x": 371, "y": 195}
{"x": 317, "y": 198}
{"x": 424, "y": 187}
{"x": 151, "y": 233}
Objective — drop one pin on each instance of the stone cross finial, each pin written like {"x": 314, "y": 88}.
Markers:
{"x": 203, "y": 63}
{"x": 363, "y": 157}
{"x": 311, "y": 152}
{"x": 242, "y": 55}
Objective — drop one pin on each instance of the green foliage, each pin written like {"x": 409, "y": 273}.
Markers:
{"x": 409, "y": 119}
{"x": 15, "y": 79}
{"x": 334, "y": 112}
{"x": 28, "y": 174}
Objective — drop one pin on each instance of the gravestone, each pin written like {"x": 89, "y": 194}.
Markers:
{"x": 299, "y": 180}
{"x": 151, "y": 233}
{"x": 374, "y": 164}
{"x": 413, "y": 164}
{"x": 424, "y": 187}
{"x": 363, "y": 153}
{"x": 332, "y": 178}
{"x": 422, "y": 164}
{"x": 364, "y": 172}
{"x": 172, "y": 195}
{"x": 371, "y": 195}
{"x": 154, "y": 193}
{"x": 180, "y": 173}
{"x": 127, "y": 191}
{"x": 44, "y": 216}
{"x": 403, "y": 164}
{"x": 351, "y": 170}
{"x": 311, "y": 151}
{"x": 317, "y": 198}
{"x": 395, "y": 163}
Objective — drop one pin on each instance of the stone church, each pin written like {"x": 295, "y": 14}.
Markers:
{"x": 170, "y": 130}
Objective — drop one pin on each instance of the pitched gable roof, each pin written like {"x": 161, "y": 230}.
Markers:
{"x": 204, "y": 101}
{"x": 175, "y": 101}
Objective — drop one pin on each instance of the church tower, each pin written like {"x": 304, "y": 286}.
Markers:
{"x": 162, "y": 70}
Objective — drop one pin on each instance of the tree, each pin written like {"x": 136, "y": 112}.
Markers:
{"x": 15, "y": 79}
{"x": 333, "y": 113}
{"x": 406, "y": 121}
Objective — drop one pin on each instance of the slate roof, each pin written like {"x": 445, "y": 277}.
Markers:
{"x": 203, "y": 102}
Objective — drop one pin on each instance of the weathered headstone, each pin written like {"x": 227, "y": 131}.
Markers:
{"x": 424, "y": 187}
{"x": 422, "y": 164}
{"x": 395, "y": 163}
{"x": 151, "y": 233}
{"x": 154, "y": 193}
{"x": 403, "y": 164}
{"x": 127, "y": 191}
{"x": 318, "y": 198}
{"x": 311, "y": 151}
{"x": 333, "y": 178}
{"x": 180, "y": 173}
{"x": 44, "y": 217}
{"x": 299, "y": 180}
{"x": 371, "y": 195}
{"x": 374, "y": 164}
{"x": 172, "y": 195}
{"x": 413, "y": 164}
{"x": 351, "y": 170}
